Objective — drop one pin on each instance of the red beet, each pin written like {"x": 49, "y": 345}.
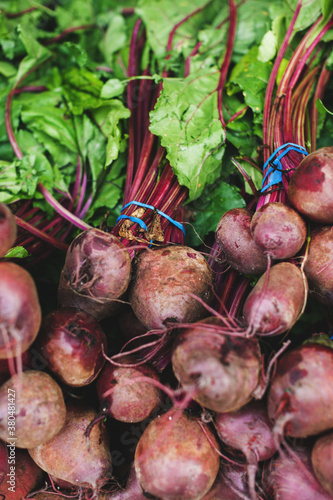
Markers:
{"x": 3, "y": 460}
{"x": 132, "y": 490}
{"x": 38, "y": 405}
{"x": 8, "y": 229}
{"x": 222, "y": 371}
{"x": 278, "y": 230}
{"x": 310, "y": 188}
{"x": 290, "y": 477}
{"x": 319, "y": 264}
{"x": 250, "y": 431}
{"x": 24, "y": 478}
{"x": 71, "y": 343}
{"x": 322, "y": 461}
{"x": 276, "y": 301}
{"x": 128, "y": 402}
{"x": 20, "y": 312}
{"x": 174, "y": 459}
{"x": 164, "y": 280}
{"x": 69, "y": 457}
{"x": 230, "y": 484}
{"x": 300, "y": 398}
{"x": 96, "y": 274}
{"x": 234, "y": 238}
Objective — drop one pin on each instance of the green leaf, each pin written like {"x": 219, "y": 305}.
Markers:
{"x": 115, "y": 36}
{"x": 112, "y": 88}
{"x": 108, "y": 117}
{"x": 160, "y": 17}
{"x": 7, "y": 69}
{"x": 82, "y": 89}
{"x": 267, "y": 48}
{"x": 186, "y": 119}
{"x": 252, "y": 76}
{"x": 37, "y": 54}
{"x": 20, "y": 178}
{"x": 51, "y": 122}
{"x": 16, "y": 253}
{"x": 327, "y": 8}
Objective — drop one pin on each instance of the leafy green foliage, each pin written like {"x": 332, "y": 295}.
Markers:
{"x": 186, "y": 119}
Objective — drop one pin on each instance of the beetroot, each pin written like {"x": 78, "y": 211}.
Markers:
{"x": 322, "y": 461}
{"x": 39, "y": 407}
{"x": 20, "y": 312}
{"x": 277, "y": 300}
{"x": 8, "y": 229}
{"x": 234, "y": 239}
{"x": 132, "y": 490}
{"x": 310, "y": 188}
{"x": 319, "y": 264}
{"x": 221, "y": 370}
{"x": 71, "y": 342}
{"x": 300, "y": 398}
{"x": 174, "y": 459}
{"x": 250, "y": 431}
{"x": 96, "y": 274}
{"x": 164, "y": 280}
{"x": 3, "y": 461}
{"x": 230, "y": 484}
{"x": 278, "y": 230}
{"x": 69, "y": 457}
{"x": 129, "y": 401}
{"x": 24, "y": 477}
{"x": 290, "y": 476}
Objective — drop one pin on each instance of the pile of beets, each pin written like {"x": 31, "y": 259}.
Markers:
{"x": 192, "y": 398}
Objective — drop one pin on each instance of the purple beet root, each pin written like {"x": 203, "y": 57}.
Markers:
{"x": 132, "y": 490}
{"x": 278, "y": 230}
{"x": 3, "y": 460}
{"x": 233, "y": 235}
{"x": 8, "y": 229}
{"x": 277, "y": 300}
{"x": 71, "y": 341}
{"x": 96, "y": 274}
{"x": 250, "y": 431}
{"x": 290, "y": 476}
{"x": 128, "y": 401}
{"x": 319, "y": 264}
{"x": 28, "y": 477}
{"x": 164, "y": 281}
{"x": 174, "y": 459}
{"x": 20, "y": 312}
{"x": 310, "y": 189}
{"x": 300, "y": 398}
{"x": 38, "y": 404}
{"x": 322, "y": 461}
{"x": 221, "y": 371}
{"x": 231, "y": 484}
{"x": 70, "y": 457}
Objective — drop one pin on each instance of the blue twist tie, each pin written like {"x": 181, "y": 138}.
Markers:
{"x": 276, "y": 171}
{"x": 151, "y": 207}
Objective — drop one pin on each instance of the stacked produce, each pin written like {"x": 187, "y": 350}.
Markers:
{"x": 166, "y": 250}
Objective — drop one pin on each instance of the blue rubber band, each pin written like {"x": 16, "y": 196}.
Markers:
{"x": 275, "y": 172}
{"x": 133, "y": 219}
{"x": 151, "y": 207}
